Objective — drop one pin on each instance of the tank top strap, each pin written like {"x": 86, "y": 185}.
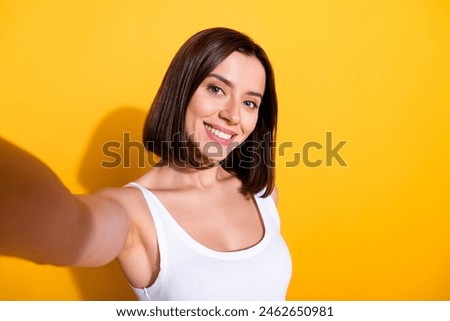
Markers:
{"x": 268, "y": 207}
{"x": 150, "y": 198}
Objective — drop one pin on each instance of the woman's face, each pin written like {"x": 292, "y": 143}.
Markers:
{"x": 223, "y": 111}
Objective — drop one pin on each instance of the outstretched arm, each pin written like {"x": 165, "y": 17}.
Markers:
{"x": 42, "y": 221}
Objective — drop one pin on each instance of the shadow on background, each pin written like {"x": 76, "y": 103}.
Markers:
{"x": 121, "y": 131}
{"x": 119, "y": 135}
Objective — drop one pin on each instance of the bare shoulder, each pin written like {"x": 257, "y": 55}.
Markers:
{"x": 112, "y": 199}
{"x": 125, "y": 201}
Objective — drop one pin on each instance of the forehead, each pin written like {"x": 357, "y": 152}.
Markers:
{"x": 242, "y": 70}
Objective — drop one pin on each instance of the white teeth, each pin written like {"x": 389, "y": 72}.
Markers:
{"x": 218, "y": 133}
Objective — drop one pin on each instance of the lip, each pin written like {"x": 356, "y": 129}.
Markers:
{"x": 221, "y": 141}
{"x": 226, "y": 131}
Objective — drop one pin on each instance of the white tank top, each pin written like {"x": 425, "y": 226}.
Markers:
{"x": 190, "y": 271}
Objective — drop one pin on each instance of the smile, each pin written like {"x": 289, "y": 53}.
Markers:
{"x": 219, "y": 135}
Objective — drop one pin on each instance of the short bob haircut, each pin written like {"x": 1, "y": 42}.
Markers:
{"x": 253, "y": 162}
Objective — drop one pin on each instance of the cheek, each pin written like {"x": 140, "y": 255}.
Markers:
{"x": 196, "y": 109}
{"x": 190, "y": 118}
{"x": 249, "y": 124}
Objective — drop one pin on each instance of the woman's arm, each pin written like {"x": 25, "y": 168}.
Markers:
{"x": 42, "y": 221}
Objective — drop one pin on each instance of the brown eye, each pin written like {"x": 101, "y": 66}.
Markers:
{"x": 250, "y": 104}
{"x": 215, "y": 90}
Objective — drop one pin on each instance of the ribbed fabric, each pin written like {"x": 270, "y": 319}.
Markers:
{"x": 191, "y": 271}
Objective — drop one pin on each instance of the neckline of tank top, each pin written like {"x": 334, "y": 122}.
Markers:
{"x": 199, "y": 247}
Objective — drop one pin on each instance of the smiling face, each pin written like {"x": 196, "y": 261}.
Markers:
{"x": 223, "y": 111}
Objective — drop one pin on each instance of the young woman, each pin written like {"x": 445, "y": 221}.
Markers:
{"x": 202, "y": 224}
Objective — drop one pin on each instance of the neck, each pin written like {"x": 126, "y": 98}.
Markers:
{"x": 203, "y": 176}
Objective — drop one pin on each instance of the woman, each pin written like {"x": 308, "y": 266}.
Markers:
{"x": 202, "y": 224}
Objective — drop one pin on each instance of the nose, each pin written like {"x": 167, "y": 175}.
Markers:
{"x": 231, "y": 113}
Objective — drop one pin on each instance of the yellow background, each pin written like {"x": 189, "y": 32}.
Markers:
{"x": 376, "y": 74}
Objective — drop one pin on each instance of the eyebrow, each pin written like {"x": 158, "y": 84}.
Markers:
{"x": 230, "y": 84}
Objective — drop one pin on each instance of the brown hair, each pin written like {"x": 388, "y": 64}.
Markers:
{"x": 253, "y": 162}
